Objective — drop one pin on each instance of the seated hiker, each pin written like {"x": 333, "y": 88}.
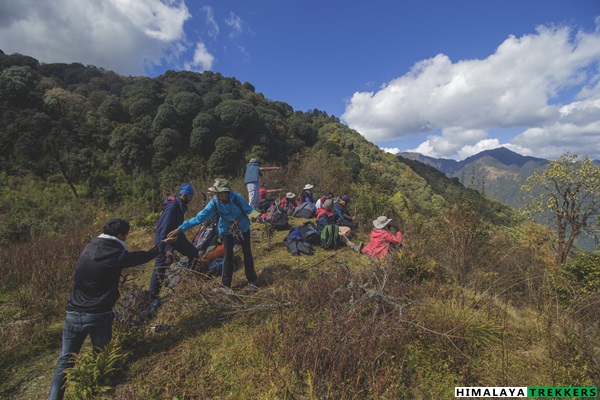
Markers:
{"x": 382, "y": 238}
{"x": 343, "y": 217}
{"x": 289, "y": 203}
{"x": 264, "y": 202}
{"x": 320, "y": 200}
{"x": 325, "y": 217}
{"x": 307, "y": 194}
{"x": 263, "y": 191}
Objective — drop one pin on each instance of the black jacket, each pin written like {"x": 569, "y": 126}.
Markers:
{"x": 96, "y": 282}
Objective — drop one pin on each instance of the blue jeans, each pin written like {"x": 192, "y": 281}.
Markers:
{"x": 75, "y": 329}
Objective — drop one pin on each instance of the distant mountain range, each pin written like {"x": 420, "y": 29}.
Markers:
{"x": 499, "y": 173}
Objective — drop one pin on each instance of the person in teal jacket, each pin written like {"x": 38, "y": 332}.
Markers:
{"x": 232, "y": 210}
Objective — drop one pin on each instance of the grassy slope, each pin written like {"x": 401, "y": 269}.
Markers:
{"x": 331, "y": 325}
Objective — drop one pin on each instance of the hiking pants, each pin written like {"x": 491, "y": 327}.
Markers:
{"x": 253, "y": 189}
{"x": 227, "y": 274}
{"x": 183, "y": 246}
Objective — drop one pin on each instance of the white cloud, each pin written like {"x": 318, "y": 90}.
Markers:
{"x": 451, "y": 142}
{"x": 202, "y": 58}
{"x": 235, "y": 23}
{"x": 211, "y": 22}
{"x": 520, "y": 85}
{"x": 391, "y": 150}
{"x": 121, "y": 35}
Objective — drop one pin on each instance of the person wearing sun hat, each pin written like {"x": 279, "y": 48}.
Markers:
{"x": 175, "y": 207}
{"x": 233, "y": 211}
{"x": 307, "y": 194}
{"x": 382, "y": 238}
{"x": 289, "y": 203}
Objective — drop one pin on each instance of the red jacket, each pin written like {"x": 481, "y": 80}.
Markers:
{"x": 380, "y": 242}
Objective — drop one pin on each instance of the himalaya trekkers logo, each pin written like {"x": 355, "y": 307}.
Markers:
{"x": 554, "y": 392}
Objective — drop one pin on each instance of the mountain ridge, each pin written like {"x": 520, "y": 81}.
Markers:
{"x": 452, "y": 167}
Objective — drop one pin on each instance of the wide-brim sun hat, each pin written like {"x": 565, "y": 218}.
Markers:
{"x": 220, "y": 186}
{"x": 381, "y": 222}
{"x": 253, "y": 160}
{"x": 308, "y": 186}
{"x": 290, "y": 195}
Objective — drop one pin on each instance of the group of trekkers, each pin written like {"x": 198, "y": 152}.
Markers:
{"x": 98, "y": 271}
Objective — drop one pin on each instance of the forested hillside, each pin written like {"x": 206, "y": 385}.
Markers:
{"x": 473, "y": 298}
{"x": 118, "y": 140}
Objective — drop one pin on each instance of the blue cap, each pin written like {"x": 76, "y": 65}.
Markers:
{"x": 186, "y": 189}
{"x": 346, "y": 199}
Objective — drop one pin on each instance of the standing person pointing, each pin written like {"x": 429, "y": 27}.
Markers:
{"x": 252, "y": 180}
{"x": 232, "y": 210}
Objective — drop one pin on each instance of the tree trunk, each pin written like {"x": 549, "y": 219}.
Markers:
{"x": 63, "y": 173}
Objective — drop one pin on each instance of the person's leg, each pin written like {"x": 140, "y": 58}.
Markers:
{"x": 74, "y": 334}
{"x": 248, "y": 258}
{"x": 99, "y": 327}
{"x": 158, "y": 275}
{"x": 253, "y": 189}
{"x": 227, "y": 274}
{"x": 345, "y": 241}
{"x": 183, "y": 245}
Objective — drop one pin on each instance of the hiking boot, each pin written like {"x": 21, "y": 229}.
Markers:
{"x": 252, "y": 287}
{"x": 227, "y": 291}
{"x": 358, "y": 247}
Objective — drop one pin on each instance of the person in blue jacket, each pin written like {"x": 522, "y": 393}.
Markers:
{"x": 232, "y": 210}
{"x": 171, "y": 217}
{"x": 252, "y": 180}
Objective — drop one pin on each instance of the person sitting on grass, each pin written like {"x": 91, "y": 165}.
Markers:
{"x": 325, "y": 216}
{"x": 382, "y": 238}
{"x": 289, "y": 203}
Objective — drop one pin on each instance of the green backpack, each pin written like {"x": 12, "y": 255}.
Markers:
{"x": 329, "y": 237}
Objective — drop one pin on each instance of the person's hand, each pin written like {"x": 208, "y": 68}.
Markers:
{"x": 170, "y": 239}
{"x": 254, "y": 214}
{"x": 173, "y": 234}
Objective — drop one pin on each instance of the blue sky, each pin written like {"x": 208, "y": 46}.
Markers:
{"x": 447, "y": 79}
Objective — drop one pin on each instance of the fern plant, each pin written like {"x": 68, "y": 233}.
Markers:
{"x": 93, "y": 370}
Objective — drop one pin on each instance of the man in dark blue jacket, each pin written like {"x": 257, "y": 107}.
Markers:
{"x": 171, "y": 217}
{"x": 95, "y": 292}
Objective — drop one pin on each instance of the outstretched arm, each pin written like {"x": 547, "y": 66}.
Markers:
{"x": 268, "y": 168}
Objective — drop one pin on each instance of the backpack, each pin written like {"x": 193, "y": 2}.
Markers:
{"x": 309, "y": 233}
{"x": 207, "y": 236}
{"x": 263, "y": 205}
{"x": 215, "y": 267}
{"x": 280, "y": 219}
{"x": 296, "y": 244}
{"x": 329, "y": 237}
{"x": 305, "y": 210}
